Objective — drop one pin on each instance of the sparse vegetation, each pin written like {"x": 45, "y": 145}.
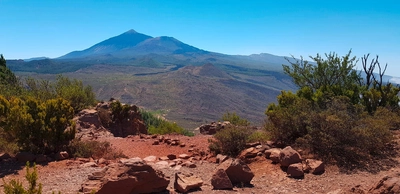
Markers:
{"x": 230, "y": 141}
{"x": 15, "y": 187}
{"x": 158, "y": 125}
{"x": 74, "y": 91}
{"x": 335, "y": 114}
{"x": 94, "y": 149}
{"x": 234, "y": 119}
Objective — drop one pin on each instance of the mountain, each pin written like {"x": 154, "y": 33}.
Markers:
{"x": 192, "y": 86}
{"x": 126, "y": 40}
{"x": 132, "y": 43}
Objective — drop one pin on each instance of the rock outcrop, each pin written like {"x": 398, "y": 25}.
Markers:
{"x": 388, "y": 184}
{"x": 126, "y": 177}
{"x": 94, "y": 123}
{"x": 214, "y": 127}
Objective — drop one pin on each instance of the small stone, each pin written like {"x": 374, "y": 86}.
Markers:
{"x": 150, "y": 159}
{"x": 164, "y": 158}
{"x": 189, "y": 164}
{"x": 184, "y": 156}
{"x": 171, "y": 156}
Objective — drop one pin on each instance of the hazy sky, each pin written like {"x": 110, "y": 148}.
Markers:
{"x": 55, "y": 27}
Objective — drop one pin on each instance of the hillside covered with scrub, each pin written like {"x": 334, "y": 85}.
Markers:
{"x": 338, "y": 132}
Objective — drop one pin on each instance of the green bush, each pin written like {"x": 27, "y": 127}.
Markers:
{"x": 259, "y": 136}
{"x": 15, "y": 187}
{"x": 234, "y": 119}
{"x": 229, "y": 141}
{"x": 38, "y": 127}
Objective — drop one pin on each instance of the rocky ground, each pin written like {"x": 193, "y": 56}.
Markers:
{"x": 67, "y": 176}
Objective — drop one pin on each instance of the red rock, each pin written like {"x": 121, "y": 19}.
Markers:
{"x": 248, "y": 153}
{"x": 220, "y": 180}
{"x": 237, "y": 171}
{"x": 289, "y": 156}
{"x": 389, "y": 184}
{"x": 129, "y": 176}
{"x": 171, "y": 156}
{"x": 186, "y": 182}
{"x": 295, "y": 170}
{"x": 314, "y": 166}
{"x": 273, "y": 154}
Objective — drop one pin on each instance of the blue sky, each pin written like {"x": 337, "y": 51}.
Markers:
{"x": 53, "y": 28}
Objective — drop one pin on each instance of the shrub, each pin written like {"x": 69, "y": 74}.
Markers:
{"x": 78, "y": 95}
{"x": 38, "y": 126}
{"x": 342, "y": 132}
{"x": 258, "y": 136}
{"x": 94, "y": 149}
{"x": 336, "y": 114}
{"x": 234, "y": 119}
{"x": 287, "y": 121}
{"x": 229, "y": 141}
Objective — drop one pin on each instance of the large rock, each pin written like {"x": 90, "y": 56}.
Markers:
{"x": 273, "y": 154}
{"x": 186, "y": 182}
{"x": 126, "y": 177}
{"x": 237, "y": 171}
{"x": 25, "y": 157}
{"x": 220, "y": 180}
{"x": 248, "y": 153}
{"x": 387, "y": 185}
{"x": 314, "y": 166}
{"x": 295, "y": 170}
{"x": 214, "y": 127}
{"x": 289, "y": 156}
